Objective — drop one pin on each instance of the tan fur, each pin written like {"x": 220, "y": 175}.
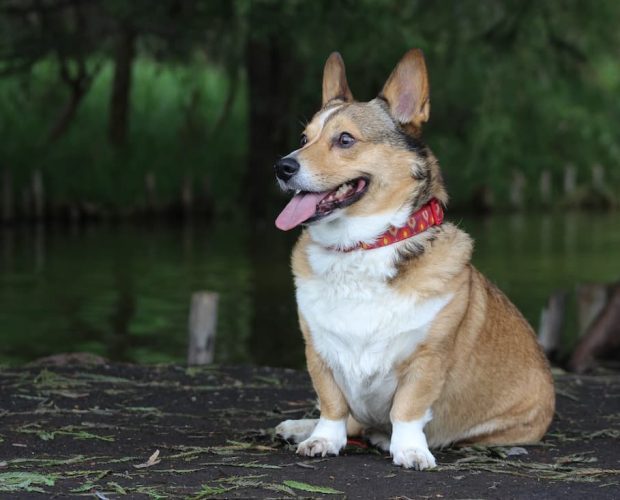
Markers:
{"x": 407, "y": 91}
{"x": 334, "y": 80}
{"x": 480, "y": 365}
{"x": 479, "y": 369}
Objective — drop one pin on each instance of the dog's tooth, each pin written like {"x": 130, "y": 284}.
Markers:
{"x": 342, "y": 189}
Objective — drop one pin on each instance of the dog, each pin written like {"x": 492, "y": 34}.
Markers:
{"x": 407, "y": 344}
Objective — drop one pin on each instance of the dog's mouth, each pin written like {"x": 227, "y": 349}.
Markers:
{"x": 307, "y": 207}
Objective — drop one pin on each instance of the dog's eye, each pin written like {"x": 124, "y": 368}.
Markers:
{"x": 346, "y": 140}
{"x": 304, "y": 140}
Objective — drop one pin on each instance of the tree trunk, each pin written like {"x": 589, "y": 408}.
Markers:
{"x": 270, "y": 69}
{"x": 67, "y": 114}
{"x": 118, "y": 124}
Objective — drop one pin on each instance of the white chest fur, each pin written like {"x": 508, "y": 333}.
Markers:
{"x": 361, "y": 327}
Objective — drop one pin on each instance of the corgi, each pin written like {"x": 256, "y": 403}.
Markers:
{"x": 407, "y": 344}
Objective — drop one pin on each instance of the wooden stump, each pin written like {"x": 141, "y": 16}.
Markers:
{"x": 202, "y": 326}
{"x": 603, "y": 334}
{"x": 598, "y": 317}
{"x": 591, "y": 299}
{"x": 552, "y": 323}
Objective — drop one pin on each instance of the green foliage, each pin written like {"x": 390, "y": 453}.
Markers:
{"x": 310, "y": 488}
{"x": 15, "y": 482}
{"x": 174, "y": 109}
{"x": 516, "y": 85}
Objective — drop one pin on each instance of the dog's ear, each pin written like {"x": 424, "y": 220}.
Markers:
{"x": 406, "y": 90}
{"x": 335, "y": 84}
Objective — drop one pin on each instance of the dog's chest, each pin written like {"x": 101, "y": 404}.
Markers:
{"x": 362, "y": 329}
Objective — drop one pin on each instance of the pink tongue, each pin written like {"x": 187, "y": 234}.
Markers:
{"x": 298, "y": 210}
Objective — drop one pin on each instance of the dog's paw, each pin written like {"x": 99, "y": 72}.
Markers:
{"x": 318, "y": 447}
{"x": 379, "y": 440}
{"x": 414, "y": 458}
{"x": 296, "y": 431}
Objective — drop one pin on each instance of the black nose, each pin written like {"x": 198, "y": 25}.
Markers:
{"x": 286, "y": 168}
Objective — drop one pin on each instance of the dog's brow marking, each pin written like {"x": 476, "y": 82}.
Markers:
{"x": 323, "y": 117}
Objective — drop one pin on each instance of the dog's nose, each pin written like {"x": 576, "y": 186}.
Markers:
{"x": 286, "y": 168}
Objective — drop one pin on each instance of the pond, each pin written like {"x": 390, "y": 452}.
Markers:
{"x": 123, "y": 290}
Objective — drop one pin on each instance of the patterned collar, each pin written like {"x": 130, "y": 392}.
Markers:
{"x": 429, "y": 215}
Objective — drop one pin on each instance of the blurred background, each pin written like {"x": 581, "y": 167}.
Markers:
{"x": 137, "y": 140}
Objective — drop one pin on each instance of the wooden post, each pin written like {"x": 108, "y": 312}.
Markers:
{"x": 517, "y": 188}
{"x": 206, "y": 203}
{"x": 603, "y": 335}
{"x": 150, "y": 187}
{"x": 187, "y": 195}
{"x": 202, "y": 326}
{"x": 591, "y": 299}
{"x": 545, "y": 187}
{"x": 598, "y": 177}
{"x": 552, "y": 323}
{"x": 7, "y": 196}
{"x": 26, "y": 211}
{"x": 38, "y": 194}
{"x": 570, "y": 179}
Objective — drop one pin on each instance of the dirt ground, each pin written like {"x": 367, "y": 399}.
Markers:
{"x": 208, "y": 432}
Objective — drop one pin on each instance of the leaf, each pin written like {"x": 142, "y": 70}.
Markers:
{"x": 207, "y": 491}
{"x": 117, "y": 488}
{"x": 298, "y": 485}
{"x": 153, "y": 460}
{"x": 85, "y": 487}
{"x": 45, "y": 435}
{"x": 24, "y": 481}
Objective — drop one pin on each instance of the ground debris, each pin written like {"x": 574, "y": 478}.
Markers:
{"x": 207, "y": 432}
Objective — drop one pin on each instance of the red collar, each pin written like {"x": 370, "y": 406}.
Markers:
{"x": 427, "y": 216}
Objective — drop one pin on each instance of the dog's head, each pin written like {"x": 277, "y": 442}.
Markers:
{"x": 361, "y": 166}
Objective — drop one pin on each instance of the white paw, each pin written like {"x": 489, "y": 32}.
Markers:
{"x": 328, "y": 438}
{"x": 409, "y": 447}
{"x": 414, "y": 458}
{"x": 296, "y": 430}
{"x": 318, "y": 447}
{"x": 379, "y": 440}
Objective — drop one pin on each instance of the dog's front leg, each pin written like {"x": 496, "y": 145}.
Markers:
{"x": 418, "y": 388}
{"x": 330, "y": 434}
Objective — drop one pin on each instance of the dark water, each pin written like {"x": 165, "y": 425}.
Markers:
{"x": 124, "y": 291}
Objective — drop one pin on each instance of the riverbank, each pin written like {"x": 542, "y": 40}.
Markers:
{"x": 171, "y": 431}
